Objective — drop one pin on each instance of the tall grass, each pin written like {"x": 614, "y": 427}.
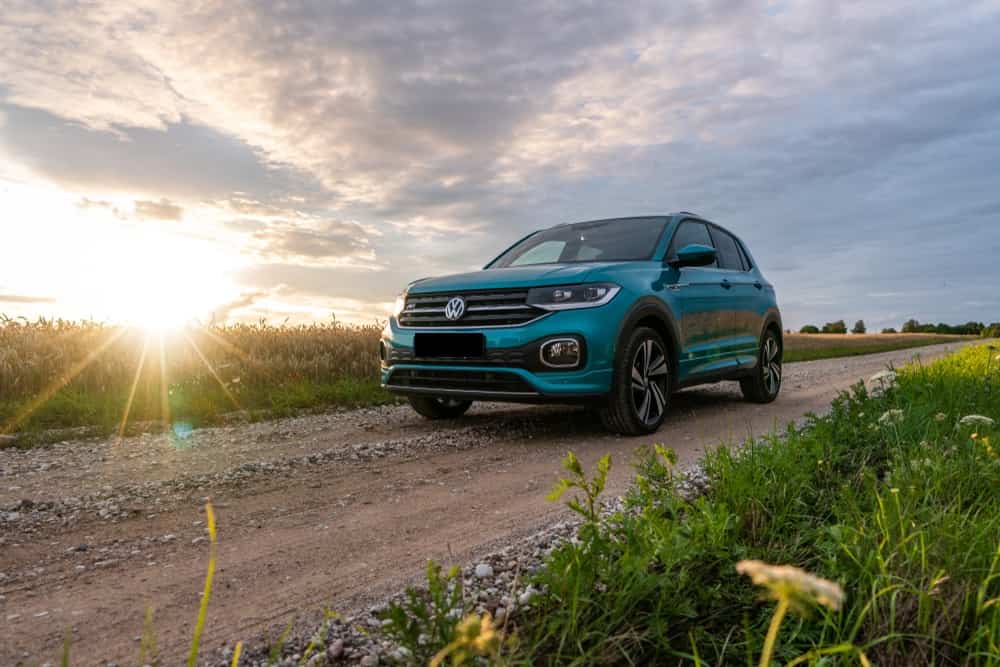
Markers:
{"x": 893, "y": 496}
{"x": 55, "y": 373}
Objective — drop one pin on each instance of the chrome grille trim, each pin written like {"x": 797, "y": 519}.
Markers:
{"x": 484, "y": 309}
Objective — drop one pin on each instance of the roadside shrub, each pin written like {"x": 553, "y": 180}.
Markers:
{"x": 892, "y": 497}
{"x": 809, "y": 329}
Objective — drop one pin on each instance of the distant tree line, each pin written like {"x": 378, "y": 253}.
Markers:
{"x": 991, "y": 330}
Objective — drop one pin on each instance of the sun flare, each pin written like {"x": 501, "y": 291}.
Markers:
{"x": 140, "y": 273}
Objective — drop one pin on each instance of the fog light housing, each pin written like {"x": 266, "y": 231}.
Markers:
{"x": 382, "y": 352}
{"x": 561, "y": 353}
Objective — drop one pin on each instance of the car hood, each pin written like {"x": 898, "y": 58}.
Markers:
{"x": 517, "y": 276}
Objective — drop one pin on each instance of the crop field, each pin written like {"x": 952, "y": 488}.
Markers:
{"x": 58, "y": 374}
{"x": 66, "y": 374}
{"x": 806, "y": 347}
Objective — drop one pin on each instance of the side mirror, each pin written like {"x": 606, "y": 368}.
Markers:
{"x": 694, "y": 254}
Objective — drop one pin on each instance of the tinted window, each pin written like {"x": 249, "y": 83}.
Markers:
{"x": 627, "y": 239}
{"x": 729, "y": 252}
{"x": 690, "y": 232}
{"x": 746, "y": 257}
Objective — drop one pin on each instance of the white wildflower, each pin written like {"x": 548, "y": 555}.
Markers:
{"x": 891, "y": 417}
{"x": 879, "y": 383}
{"x": 976, "y": 420}
{"x": 883, "y": 377}
{"x": 940, "y": 417}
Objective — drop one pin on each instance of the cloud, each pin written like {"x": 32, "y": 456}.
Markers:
{"x": 331, "y": 240}
{"x": 24, "y": 298}
{"x": 158, "y": 210}
{"x": 849, "y": 144}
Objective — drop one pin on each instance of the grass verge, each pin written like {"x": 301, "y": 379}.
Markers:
{"x": 885, "y": 514}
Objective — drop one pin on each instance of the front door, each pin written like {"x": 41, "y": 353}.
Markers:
{"x": 703, "y": 306}
{"x": 745, "y": 292}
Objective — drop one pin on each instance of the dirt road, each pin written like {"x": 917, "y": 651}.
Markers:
{"x": 334, "y": 510}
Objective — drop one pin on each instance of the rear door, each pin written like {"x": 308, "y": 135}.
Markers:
{"x": 743, "y": 292}
{"x": 702, "y": 305}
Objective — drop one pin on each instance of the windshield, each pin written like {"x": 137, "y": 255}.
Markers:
{"x": 620, "y": 240}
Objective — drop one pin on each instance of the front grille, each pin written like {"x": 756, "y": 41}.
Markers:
{"x": 494, "y": 308}
{"x": 498, "y": 357}
{"x": 484, "y": 381}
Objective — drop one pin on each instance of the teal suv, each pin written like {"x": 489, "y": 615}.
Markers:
{"x": 616, "y": 313}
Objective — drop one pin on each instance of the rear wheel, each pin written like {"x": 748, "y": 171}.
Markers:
{"x": 641, "y": 392}
{"x": 765, "y": 382}
{"x": 439, "y": 407}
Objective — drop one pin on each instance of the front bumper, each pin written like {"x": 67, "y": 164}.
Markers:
{"x": 510, "y": 371}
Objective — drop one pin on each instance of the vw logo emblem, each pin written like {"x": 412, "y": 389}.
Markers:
{"x": 455, "y": 308}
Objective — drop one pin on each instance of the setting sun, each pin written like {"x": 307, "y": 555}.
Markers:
{"x": 95, "y": 265}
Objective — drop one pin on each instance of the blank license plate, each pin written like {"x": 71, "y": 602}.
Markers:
{"x": 449, "y": 345}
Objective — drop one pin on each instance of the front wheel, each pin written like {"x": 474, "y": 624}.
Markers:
{"x": 765, "y": 382}
{"x": 439, "y": 407}
{"x": 641, "y": 392}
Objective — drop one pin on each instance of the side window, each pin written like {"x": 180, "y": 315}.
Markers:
{"x": 745, "y": 255}
{"x": 546, "y": 252}
{"x": 690, "y": 232}
{"x": 729, "y": 251}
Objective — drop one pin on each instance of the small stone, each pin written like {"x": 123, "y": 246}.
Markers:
{"x": 500, "y": 615}
{"x": 370, "y": 660}
{"x": 336, "y": 649}
{"x": 484, "y": 570}
{"x": 169, "y": 537}
{"x": 527, "y": 596}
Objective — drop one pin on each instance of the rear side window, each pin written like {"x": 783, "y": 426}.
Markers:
{"x": 690, "y": 232}
{"x": 729, "y": 251}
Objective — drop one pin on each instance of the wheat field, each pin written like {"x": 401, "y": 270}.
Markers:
{"x": 57, "y": 373}
{"x": 61, "y": 373}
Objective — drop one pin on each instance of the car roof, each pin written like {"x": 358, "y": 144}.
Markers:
{"x": 660, "y": 216}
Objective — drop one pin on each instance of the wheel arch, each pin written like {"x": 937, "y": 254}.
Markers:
{"x": 772, "y": 321}
{"x": 657, "y": 315}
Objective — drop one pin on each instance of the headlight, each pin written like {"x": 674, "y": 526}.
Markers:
{"x": 566, "y": 297}
{"x": 400, "y": 303}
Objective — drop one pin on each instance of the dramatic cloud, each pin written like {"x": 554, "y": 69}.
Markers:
{"x": 329, "y": 240}
{"x": 22, "y": 298}
{"x": 850, "y": 144}
{"x": 158, "y": 210}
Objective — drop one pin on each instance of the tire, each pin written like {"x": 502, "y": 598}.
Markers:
{"x": 439, "y": 407}
{"x": 765, "y": 383}
{"x": 640, "y": 393}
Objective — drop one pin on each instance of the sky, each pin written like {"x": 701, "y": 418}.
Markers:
{"x": 302, "y": 160}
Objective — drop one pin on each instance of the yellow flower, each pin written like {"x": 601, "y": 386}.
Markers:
{"x": 473, "y": 636}
{"x": 795, "y": 585}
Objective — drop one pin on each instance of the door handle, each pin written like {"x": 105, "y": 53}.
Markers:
{"x": 726, "y": 284}
{"x": 758, "y": 284}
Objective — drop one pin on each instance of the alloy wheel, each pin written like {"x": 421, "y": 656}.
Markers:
{"x": 771, "y": 364}
{"x": 649, "y": 381}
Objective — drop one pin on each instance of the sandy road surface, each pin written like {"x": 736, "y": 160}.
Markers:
{"x": 335, "y": 510}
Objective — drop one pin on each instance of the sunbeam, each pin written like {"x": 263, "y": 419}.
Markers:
{"x": 164, "y": 384}
{"x": 222, "y": 384}
{"x": 63, "y": 380}
{"x": 135, "y": 384}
